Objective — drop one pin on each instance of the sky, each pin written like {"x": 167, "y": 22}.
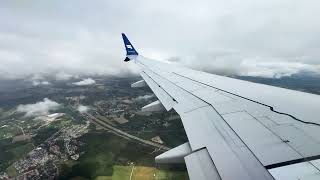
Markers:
{"x": 267, "y": 38}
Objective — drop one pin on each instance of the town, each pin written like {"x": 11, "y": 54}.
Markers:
{"x": 55, "y": 138}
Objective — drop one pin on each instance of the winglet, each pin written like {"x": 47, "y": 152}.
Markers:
{"x": 129, "y": 47}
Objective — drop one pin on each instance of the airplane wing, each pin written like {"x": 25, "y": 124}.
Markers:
{"x": 236, "y": 129}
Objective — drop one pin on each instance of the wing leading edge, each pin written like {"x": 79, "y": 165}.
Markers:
{"x": 237, "y": 129}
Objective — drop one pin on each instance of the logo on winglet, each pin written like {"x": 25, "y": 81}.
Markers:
{"x": 129, "y": 46}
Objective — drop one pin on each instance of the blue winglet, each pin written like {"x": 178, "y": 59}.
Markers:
{"x": 129, "y": 48}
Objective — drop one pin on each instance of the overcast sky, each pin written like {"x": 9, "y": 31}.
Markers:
{"x": 269, "y": 38}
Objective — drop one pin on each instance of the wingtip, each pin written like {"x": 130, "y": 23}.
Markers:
{"x": 129, "y": 47}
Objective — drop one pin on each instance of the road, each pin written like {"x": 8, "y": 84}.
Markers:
{"x": 131, "y": 172}
{"x": 122, "y": 133}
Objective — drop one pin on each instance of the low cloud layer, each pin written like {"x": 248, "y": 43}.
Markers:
{"x": 62, "y": 76}
{"x": 39, "y": 108}
{"x": 269, "y": 38}
{"x": 235, "y": 64}
{"x": 145, "y": 97}
{"x": 37, "y": 83}
{"x": 85, "y": 82}
{"x": 82, "y": 108}
{"x": 38, "y": 80}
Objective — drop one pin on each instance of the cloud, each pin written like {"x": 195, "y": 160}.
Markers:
{"x": 276, "y": 69}
{"x": 49, "y": 38}
{"x": 145, "y": 97}
{"x": 82, "y": 108}
{"x": 39, "y": 108}
{"x": 62, "y": 76}
{"x": 37, "y": 83}
{"x": 238, "y": 64}
{"x": 85, "y": 82}
{"x": 38, "y": 79}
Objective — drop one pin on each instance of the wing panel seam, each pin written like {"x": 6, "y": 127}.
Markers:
{"x": 271, "y": 108}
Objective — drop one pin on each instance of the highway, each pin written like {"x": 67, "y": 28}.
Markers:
{"x": 122, "y": 133}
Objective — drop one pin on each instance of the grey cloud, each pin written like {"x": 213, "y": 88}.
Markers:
{"x": 78, "y": 37}
{"x": 234, "y": 63}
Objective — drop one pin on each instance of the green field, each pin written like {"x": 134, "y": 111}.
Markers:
{"x": 21, "y": 150}
{"x": 11, "y": 152}
{"x": 143, "y": 173}
{"x": 44, "y": 134}
{"x": 11, "y": 171}
{"x": 9, "y": 131}
{"x": 108, "y": 156}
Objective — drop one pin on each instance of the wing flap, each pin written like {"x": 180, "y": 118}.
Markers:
{"x": 200, "y": 166}
{"x": 206, "y": 129}
{"x": 267, "y": 146}
{"x": 300, "y": 171}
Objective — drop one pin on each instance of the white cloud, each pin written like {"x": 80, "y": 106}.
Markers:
{"x": 38, "y": 79}
{"x": 145, "y": 97}
{"x": 37, "y": 83}
{"x": 82, "y": 108}
{"x": 39, "y": 108}
{"x": 45, "y": 82}
{"x": 62, "y": 76}
{"x": 85, "y": 82}
{"x": 81, "y": 97}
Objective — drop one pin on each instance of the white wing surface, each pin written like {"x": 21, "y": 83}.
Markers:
{"x": 236, "y": 129}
